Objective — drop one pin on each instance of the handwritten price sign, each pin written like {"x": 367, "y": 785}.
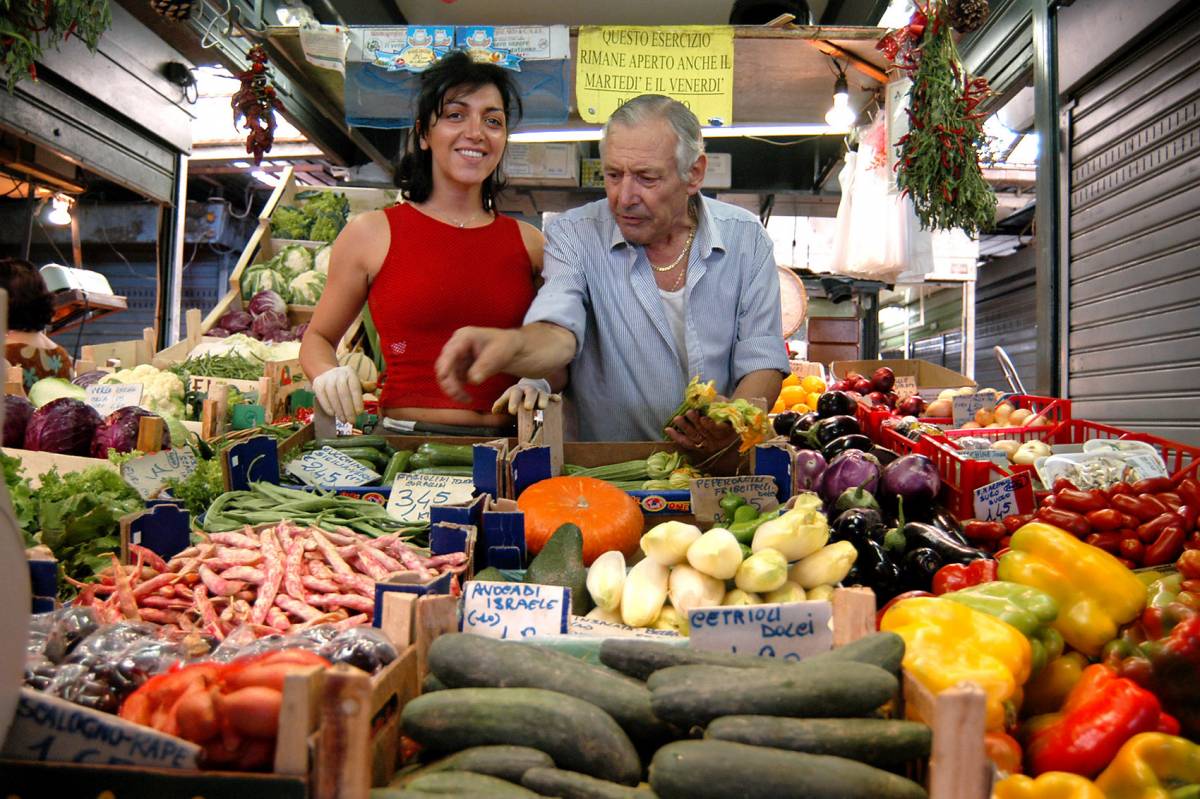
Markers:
{"x": 1005, "y": 497}
{"x": 413, "y": 494}
{"x": 111, "y": 396}
{"x": 515, "y": 610}
{"x": 789, "y": 631}
{"x": 148, "y": 474}
{"x": 328, "y": 467}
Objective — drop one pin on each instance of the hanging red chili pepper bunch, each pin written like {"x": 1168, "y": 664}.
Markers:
{"x": 24, "y": 24}
{"x": 255, "y": 104}
{"x": 938, "y": 163}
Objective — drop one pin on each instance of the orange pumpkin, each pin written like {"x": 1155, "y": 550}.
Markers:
{"x": 608, "y": 517}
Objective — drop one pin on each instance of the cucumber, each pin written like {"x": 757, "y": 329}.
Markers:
{"x": 430, "y": 683}
{"x": 878, "y": 742}
{"x": 577, "y": 734}
{"x": 503, "y": 762}
{"x": 695, "y": 695}
{"x": 571, "y": 785}
{"x": 884, "y": 650}
{"x": 341, "y": 442}
{"x": 472, "y": 661}
{"x": 453, "y": 471}
{"x": 722, "y": 769}
{"x": 448, "y": 454}
{"x": 396, "y": 464}
{"x": 640, "y": 659}
{"x": 464, "y": 783}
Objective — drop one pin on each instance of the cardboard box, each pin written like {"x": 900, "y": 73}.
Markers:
{"x": 719, "y": 174}
{"x": 542, "y": 164}
{"x": 591, "y": 173}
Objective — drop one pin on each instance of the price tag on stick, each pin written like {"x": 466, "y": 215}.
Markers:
{"x": 111, "y": 396}
{"x": 515, "y": 610}
{"x": 413, "y": 494}
{"x": 790, "y": 631}
{"x": 906, "y": 386}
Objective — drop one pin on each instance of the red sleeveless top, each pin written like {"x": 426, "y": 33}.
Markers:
{"x": 435, "y": 279}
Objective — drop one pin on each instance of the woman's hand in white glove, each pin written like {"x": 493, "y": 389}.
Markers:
{"x": 526, "y": 393}
{"x": 340, "y": 392}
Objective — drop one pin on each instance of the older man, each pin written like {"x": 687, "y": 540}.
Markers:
{"x": 642, "y": 291}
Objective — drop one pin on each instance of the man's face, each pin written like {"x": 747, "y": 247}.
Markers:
{"x": 645, "y": 193}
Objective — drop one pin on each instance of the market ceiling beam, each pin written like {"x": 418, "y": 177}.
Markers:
{"x": 856, "y": 63}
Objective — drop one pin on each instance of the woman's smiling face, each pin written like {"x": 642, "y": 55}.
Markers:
{"x": 467, "y": 138}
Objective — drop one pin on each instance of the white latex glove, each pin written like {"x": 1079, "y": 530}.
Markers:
{"x": 526, "y": 392}
{"x": 339, "y": 392}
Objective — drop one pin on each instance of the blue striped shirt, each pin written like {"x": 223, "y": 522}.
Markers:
{"x": 627, "y": 376}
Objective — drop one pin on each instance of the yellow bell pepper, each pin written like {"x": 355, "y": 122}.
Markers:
{"x": 1095, "y": 593}
{"x": 1048, "y": 690}
{"x": 1051, "y": 785}
{"x": 1147, "y": 764}
{"x": 946, "y": 643}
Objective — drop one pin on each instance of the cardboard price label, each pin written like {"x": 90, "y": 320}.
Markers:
{"x": 906, "y": 386}
{"x": 758, "y": 490}
{"x": 50, "y": 729}
{"x": 413, "y": 494}
{"x": 965, "y": 408}
{"x": 111, "y": 396}
{"x": 329, "y": 467}
{"x": 515, "y": 610}
{"x": 149, "y": 473}
{"x": 1011, "y": 495}
{"x": 791, "y": 631}
{"x": 595, "y": 628}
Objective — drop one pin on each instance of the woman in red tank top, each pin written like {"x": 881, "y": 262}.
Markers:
{"x": 443, "y": 259}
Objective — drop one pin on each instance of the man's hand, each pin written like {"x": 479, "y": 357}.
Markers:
{"x": 472, "y": 355}
{"x": 702, "y": 440}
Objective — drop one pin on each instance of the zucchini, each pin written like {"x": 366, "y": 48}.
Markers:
{"x": 878, "y": 742}
{"x": 419, "y": 460}
{"x": 695, "y": 695}
{"x": 577, "y": 734}
{"x": 885, "y": 650}
{"x": 448, "y": 454}
{"x": 721, "y": 769}
{"x": 366, "y": 454}
{"x": 341, "y": 442}
{"x": 396, "y": 464}
{"x": 472, "y": 661}
{"x": 503, "y": 762}
{"x": 453, "y": 471}
{"x": 572, "y": 785}
{"x": 465, "y": 783}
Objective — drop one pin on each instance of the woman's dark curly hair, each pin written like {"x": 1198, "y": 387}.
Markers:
{"x": 456, "y": 70}
{"x": 30, "y": 304}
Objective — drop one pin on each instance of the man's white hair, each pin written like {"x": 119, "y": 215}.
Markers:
{"x": 689, "y": 141}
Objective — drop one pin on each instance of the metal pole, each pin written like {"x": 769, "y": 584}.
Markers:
{"x": 174, "y": 235}
{"x": 1050, "y": 339}
{"x": 968, "y": 328}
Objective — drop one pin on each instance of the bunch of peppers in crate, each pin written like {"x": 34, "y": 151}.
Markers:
{"x": 1161, "y": 650}
{"x": 1147, "y": 523}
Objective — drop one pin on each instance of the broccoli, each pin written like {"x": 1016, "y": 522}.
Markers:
{"x": 289, "y": 222}
{"x": 325, "y": 228}
{"x": 319, "y": 203}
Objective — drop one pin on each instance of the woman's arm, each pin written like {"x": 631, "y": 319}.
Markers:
{"x": 357, "y": 256}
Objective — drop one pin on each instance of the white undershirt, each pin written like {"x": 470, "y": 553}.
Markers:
{"x": 674, "y": 306}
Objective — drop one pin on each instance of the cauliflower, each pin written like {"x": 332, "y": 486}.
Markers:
{"x": 306, "y": 289}
{"x": 263, "y": 279}
{"x": 162, "y": 392}
{"x": 321, "y": 259}
{"x": 241, "y": 344}
{"x": 294, "y": 260}
{"x": 289, "y": 222}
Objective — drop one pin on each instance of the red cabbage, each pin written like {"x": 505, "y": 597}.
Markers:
{"x": 235, "y": 322}
{"x": 89, "y": 378}
{"x": 280, "y": 335}
{"x": 267, "y": 301}
{"x": 268, "y": 324}
{"x": 850, "y": 469}
{"x": 17, "y": 411}
{"x": 299, "y": 330}
{"x": 218, "y": 332}
{"x": 120, "y": 431}
{"x": 66, "y": 426}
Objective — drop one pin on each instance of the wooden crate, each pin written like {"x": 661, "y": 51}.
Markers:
{"x": 361, "y": 199}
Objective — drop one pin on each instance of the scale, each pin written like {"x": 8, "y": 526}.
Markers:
{"x": 78, "y": 295}
{"x": 793, "y": 298}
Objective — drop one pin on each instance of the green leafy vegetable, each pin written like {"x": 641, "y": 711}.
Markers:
{"x": 198, "y": 490}
{"x": 21, "y": 494}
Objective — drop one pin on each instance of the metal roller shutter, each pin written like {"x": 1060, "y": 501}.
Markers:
{"x": 1134, "y": 241}
{"x": 1006, "y": 316}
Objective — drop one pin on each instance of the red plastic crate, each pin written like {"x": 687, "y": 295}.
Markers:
{"x": 1055, "y": 409}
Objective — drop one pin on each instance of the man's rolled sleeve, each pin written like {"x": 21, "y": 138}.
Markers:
{"x": 760, "y": 342}
{"x": 562, "y": 299}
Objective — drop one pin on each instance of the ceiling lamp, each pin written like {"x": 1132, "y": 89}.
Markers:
{"x": 60, "y": 211}
{"x": 841, "y": 115}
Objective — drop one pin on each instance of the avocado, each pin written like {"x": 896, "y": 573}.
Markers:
{"x": 561, "y": 563}
{"x": 492, "y": 575}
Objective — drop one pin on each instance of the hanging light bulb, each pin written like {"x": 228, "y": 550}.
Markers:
{"x": 60, "y": 211}
{"x": 841, "y": 115}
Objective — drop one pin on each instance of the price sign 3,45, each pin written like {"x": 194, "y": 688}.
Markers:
{"x": 414, "y": 494}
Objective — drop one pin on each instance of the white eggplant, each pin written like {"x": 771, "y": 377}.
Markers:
{"x": 689, "y": 588}
{"x": 826, "y": 567}
{"x": 763, "y": 571}
{"x": 668, "y": 543}
{"x": 606, "y": 579}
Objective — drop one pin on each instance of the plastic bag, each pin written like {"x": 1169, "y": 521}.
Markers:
{"x": 363, "y": 647}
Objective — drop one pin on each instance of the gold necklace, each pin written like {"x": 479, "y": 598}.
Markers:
{"x": 686, "y": 248}
{"x": 679, "y": 280}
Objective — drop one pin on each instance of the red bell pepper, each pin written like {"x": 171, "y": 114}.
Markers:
{"x": 1101, "y": 713}
{"x": 957, "y": 576}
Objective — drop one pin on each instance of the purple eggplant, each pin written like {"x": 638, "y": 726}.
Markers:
{"x": 809, "y": 466}
{"x": 850, "y": 469}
